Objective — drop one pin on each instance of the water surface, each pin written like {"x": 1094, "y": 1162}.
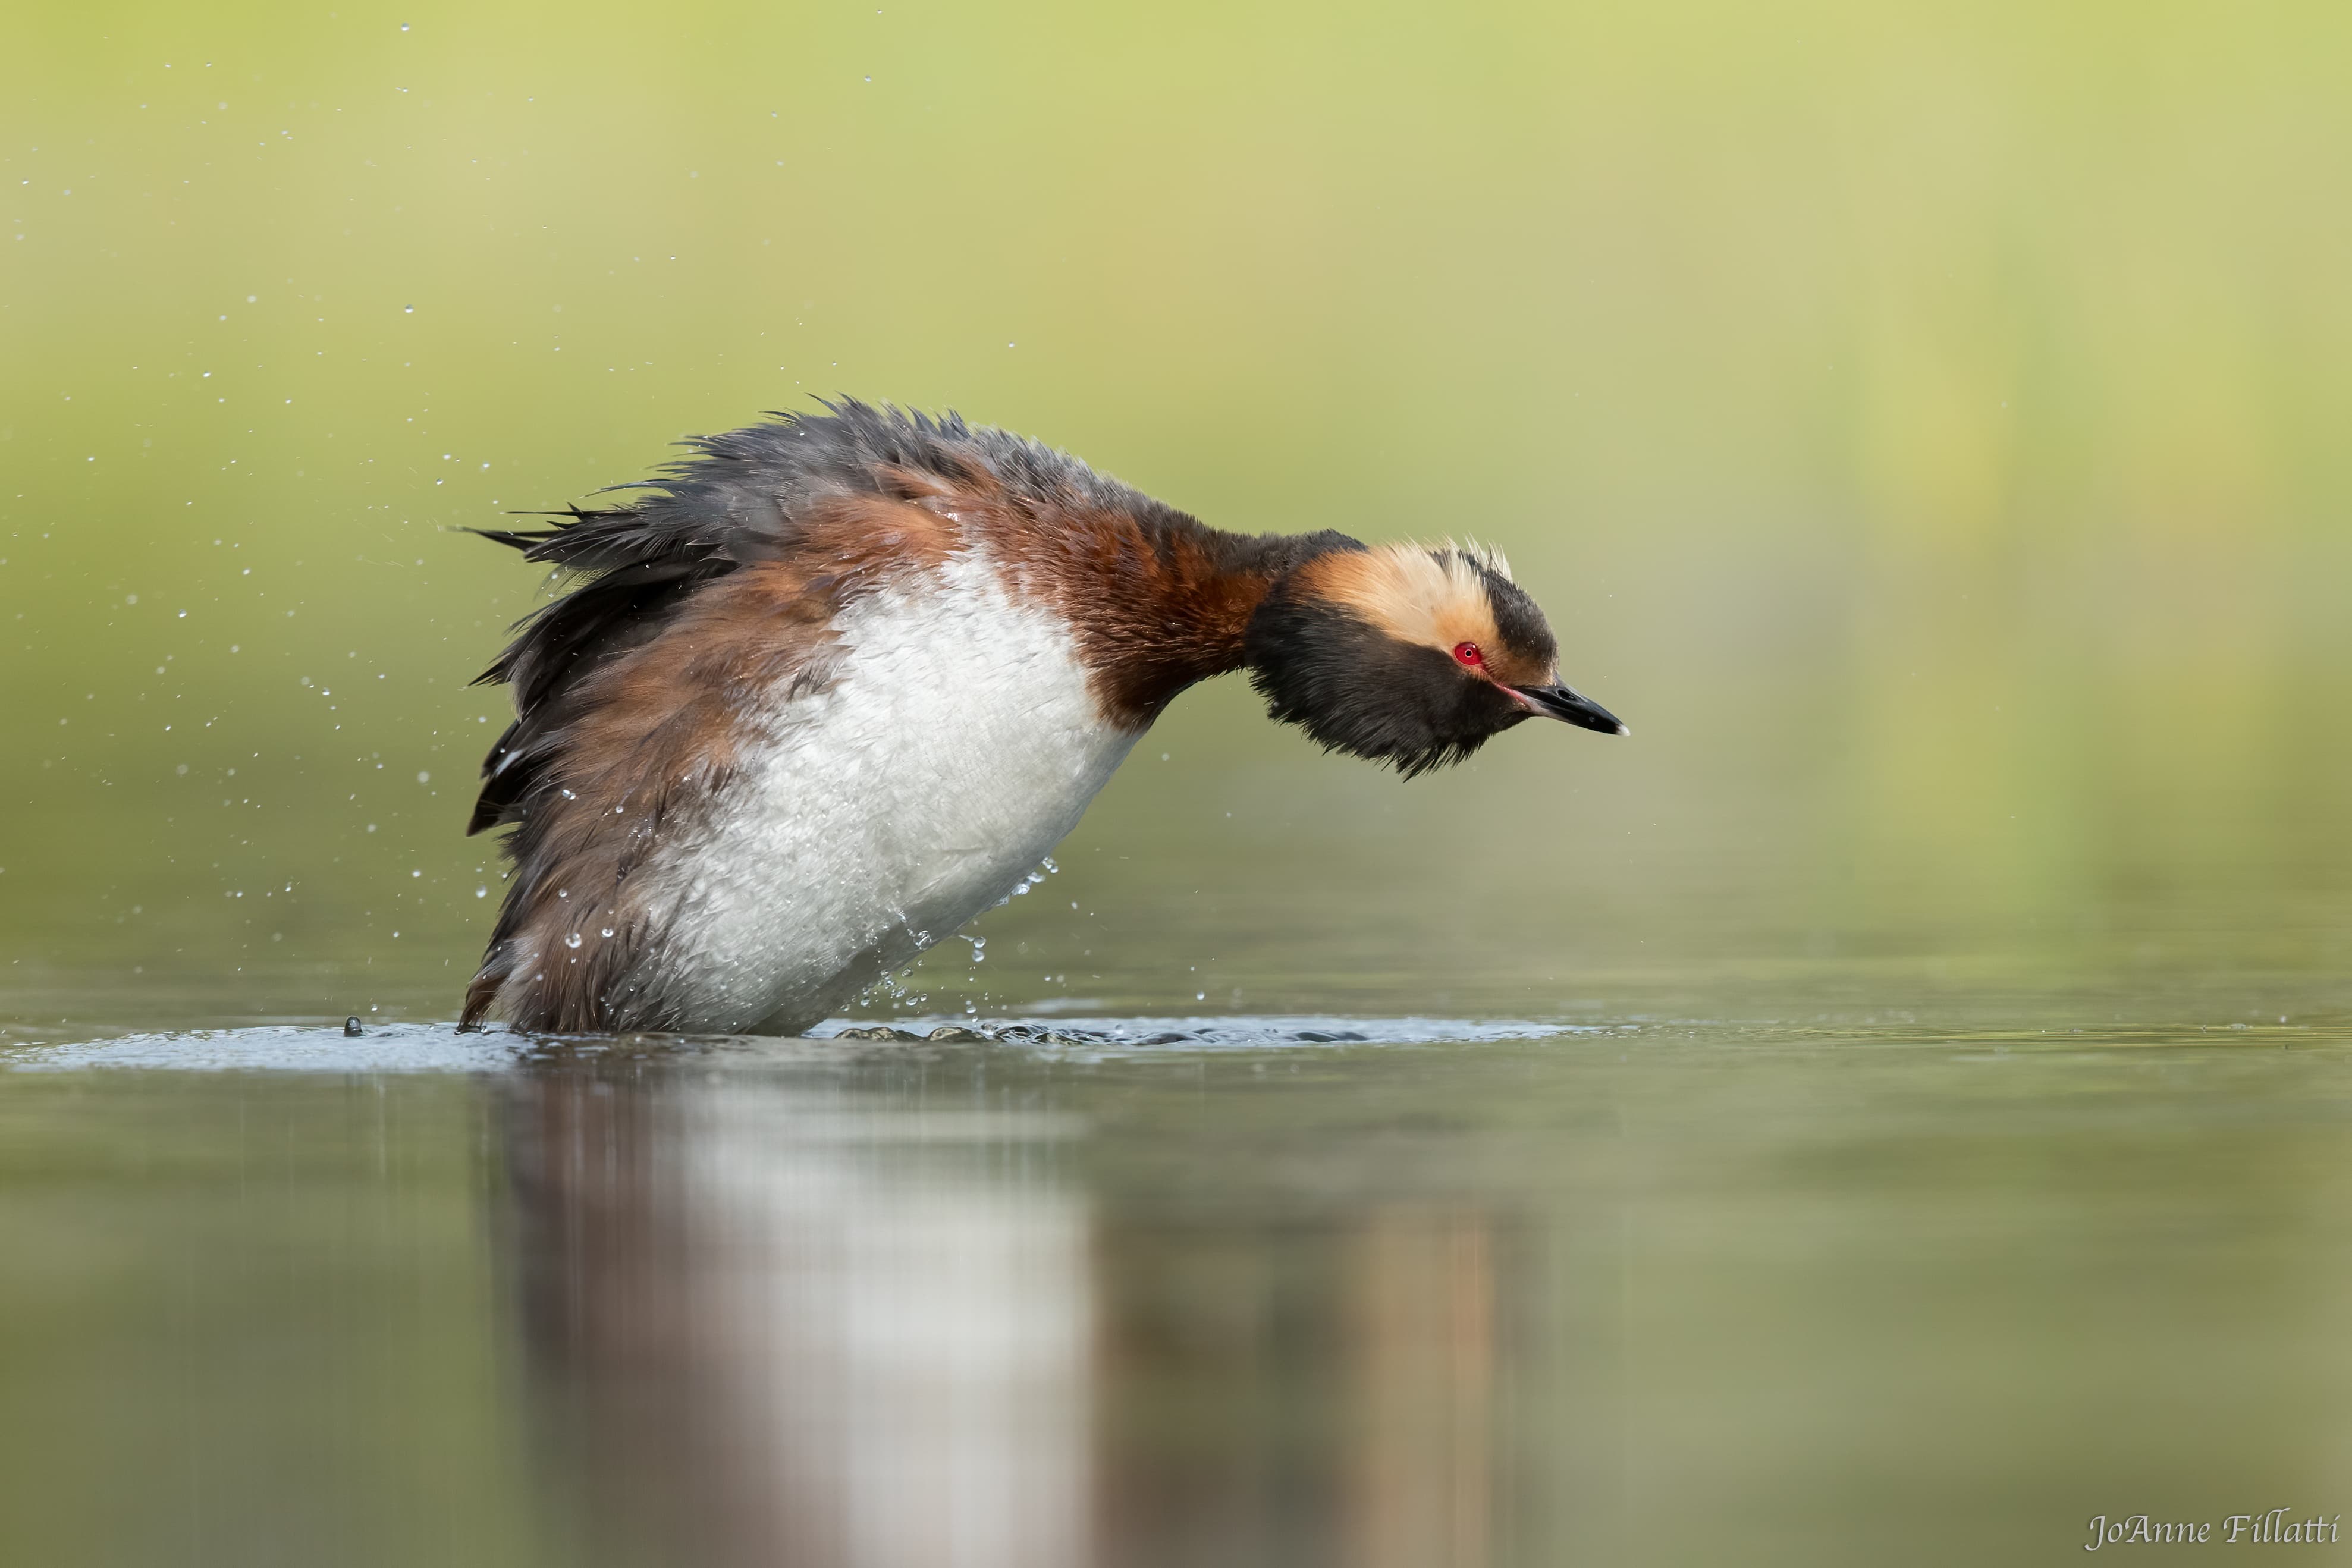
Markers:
{"x": 1641, "y": 1292}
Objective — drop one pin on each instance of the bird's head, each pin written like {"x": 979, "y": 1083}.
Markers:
{"x": 1408, "y": 654}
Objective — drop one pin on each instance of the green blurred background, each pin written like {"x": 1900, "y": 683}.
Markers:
{"x": 1925, "y": 424}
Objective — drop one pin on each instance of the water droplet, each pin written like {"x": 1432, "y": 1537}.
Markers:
{"x": 572, "y": 940}
{"x": 607, "y": 931}
{"x": 481, "y": 893}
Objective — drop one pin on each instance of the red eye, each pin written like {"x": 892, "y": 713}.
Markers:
{"x": 1468, "y": 653}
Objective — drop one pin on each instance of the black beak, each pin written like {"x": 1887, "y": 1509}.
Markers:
{"x": 1573, "y": 706}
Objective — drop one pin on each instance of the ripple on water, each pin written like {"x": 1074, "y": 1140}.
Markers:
{"x": 440, "y": 1048}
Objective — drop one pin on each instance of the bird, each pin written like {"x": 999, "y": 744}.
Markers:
{"x": 833, "y": 684}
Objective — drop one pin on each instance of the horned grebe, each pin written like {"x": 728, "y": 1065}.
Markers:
{"x": 831, "y": 687}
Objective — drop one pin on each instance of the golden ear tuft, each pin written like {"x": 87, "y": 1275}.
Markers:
{"x": 1427, "y": 595}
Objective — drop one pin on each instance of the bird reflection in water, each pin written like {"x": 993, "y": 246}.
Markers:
{"x": 772, "y": 1328}
{"x": 791, "y": 1323}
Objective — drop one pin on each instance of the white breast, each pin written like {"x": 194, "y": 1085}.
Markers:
{"x": 957, "y": 746}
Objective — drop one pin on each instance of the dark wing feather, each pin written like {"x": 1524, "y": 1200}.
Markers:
{"x": 553, "y": 647}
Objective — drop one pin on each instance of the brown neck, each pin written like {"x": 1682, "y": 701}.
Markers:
{"x": 1160, "y": 600}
